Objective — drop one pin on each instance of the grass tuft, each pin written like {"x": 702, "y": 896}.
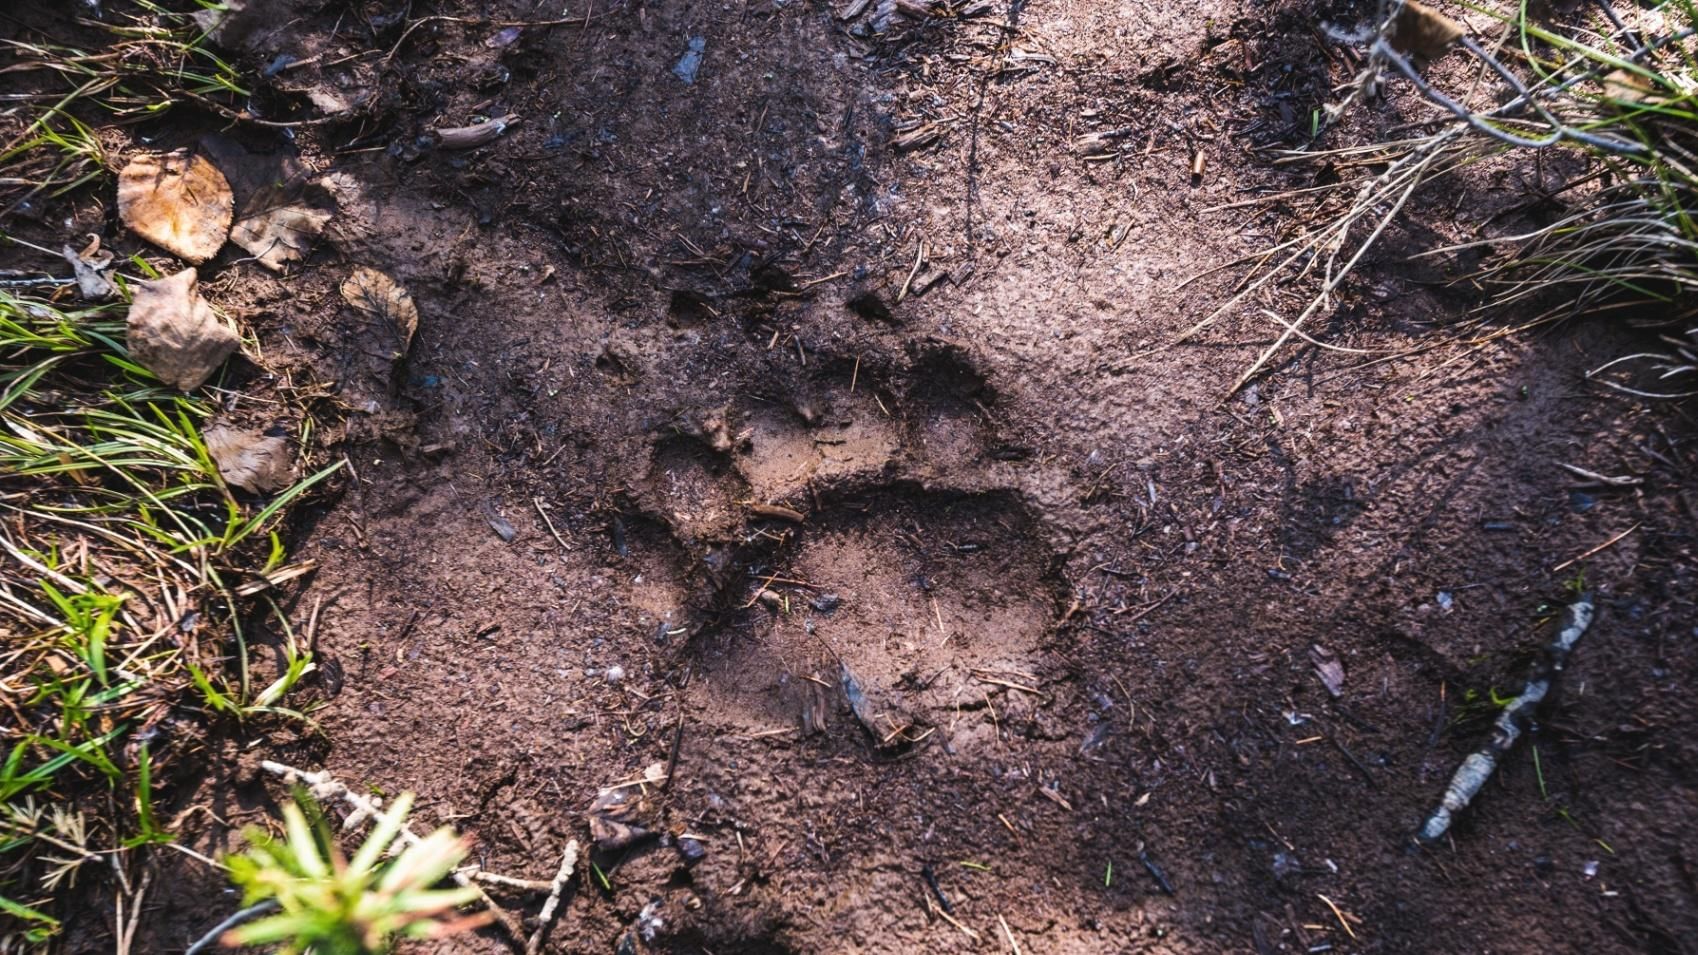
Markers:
{"x": 1617, "y": 99}
{"x": 124, "y": 551}
{"x": 50, "y": 136}
{"x": 130, "y": 572}
{"x": 326, "y": 903}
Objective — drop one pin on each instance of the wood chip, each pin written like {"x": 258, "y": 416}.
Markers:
{"x": 1328, "y": 668}
{"x": 917, "y": 138}
{"x": 478, "y": 134}
{"x": 777, "y": 512}
{"x": 1055, "y": 797}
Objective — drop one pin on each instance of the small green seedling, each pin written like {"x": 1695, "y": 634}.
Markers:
{"x": 330, "y": 905}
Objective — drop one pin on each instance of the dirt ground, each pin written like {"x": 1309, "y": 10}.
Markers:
{"x": 1076, "y": 597}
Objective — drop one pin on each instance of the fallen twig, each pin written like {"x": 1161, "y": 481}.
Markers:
{"x": 952, "y": 920}
{"x": 1338, "y": 913}
{"x": 919, "y": 257}
{"x": 1009, "y": 933}
{"x": 1596, "y": 550}
{"x": 1596, "y": 478}
{"x": 495, "y": 878}
{"x": 549, "y": 524}
{"x": 568, "y": 862}
{"x": 1472, "y": 775}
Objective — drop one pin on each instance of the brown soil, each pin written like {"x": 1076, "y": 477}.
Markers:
{"x": 1077, "y": 592}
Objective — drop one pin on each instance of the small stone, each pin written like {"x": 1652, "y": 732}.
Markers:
{"x": 690, "y": 63}
{"x": 691, "y": 851}
{"x": 826, "y": 603}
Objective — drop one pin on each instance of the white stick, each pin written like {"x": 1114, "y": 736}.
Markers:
{"x": 568, "y": 862}
{"x": 1471, "y": 776}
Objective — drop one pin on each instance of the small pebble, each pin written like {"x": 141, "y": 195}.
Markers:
{"x": 691, "y": 851}
{"x": 690, "y": 63}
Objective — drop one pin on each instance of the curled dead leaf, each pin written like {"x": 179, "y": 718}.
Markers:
{"x": 249, "y": 460}
{"x": 178, "y": 201}
{"x": 1625, "y": 88}
{"x": 175, "y": 334}
{"x": 619, "y": 818}
{"x": 378, "y": 295}
{"x": 91, "y": 266}
{"x": 279, "y": 230}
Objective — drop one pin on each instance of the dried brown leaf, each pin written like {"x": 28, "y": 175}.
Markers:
{"x": 175, "y": 334}
{"x": 619, "y": 817}
{"x": 377, "y": 294}
{"x": 278, "y": 229}
{"x": 179, "y": 202}
{"x": 280, "y": 211}
{"x": 249, "y": 460}
{"x": 1625, "y": 87}
{"x": 1419, "y": 30}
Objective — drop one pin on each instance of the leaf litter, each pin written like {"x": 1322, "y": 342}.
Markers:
{"x": 280, "y": 211}
{"x": 380, "y": 296}
{"x": 92, "y": 268}
{"x": 178, "y": 201}
{"x": 250, "y": 460}
{"x": 174, "y": 332}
